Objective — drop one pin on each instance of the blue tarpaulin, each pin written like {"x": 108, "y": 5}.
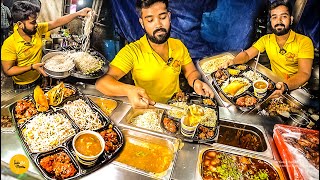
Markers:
{"x": 208, "y": 27}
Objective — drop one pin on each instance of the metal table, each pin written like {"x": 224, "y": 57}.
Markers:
{"x": 185, "y": 166}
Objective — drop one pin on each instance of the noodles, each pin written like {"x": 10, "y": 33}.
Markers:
{"x": 45, "y": 132}
{"x": 83, "y": 115}
{"x": 85, "y": 62}
{"x": 87, "y": 29}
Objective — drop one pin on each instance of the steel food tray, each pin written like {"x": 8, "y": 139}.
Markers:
{"x": 246, "y": 91}
{"x": 74, "y": 71}
{"x": 212, "y": 58}
{"x": 203, "y": 132}
{"x": 65, "y": 146}
{"x": 144, "y": 140}
{"x": 244, "y": 137}
{"x": 7, "y": 117}
{"x": 293, "y": 107}
{"x": 248, "y": 159}
{"x": 94, "y": 100}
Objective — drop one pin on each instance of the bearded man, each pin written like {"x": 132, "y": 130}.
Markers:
{"x": 291, "y": 54}
{"x": 155, "y": 61}
{"x": 21, "y": 53}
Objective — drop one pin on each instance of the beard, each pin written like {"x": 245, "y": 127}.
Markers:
{"x": 282, "y": 31}
{"x": 160, "y": 39}
{"x": 29, "y": 32}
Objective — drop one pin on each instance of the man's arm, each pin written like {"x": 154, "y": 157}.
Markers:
{"x": 111, "y": 86}
{"x": 242, "y": 57}
{"x": 297, "y": 80}
{"x": 10, "y": 69}
{"x": 194, "y": 80}
{"x": 303, "y": 74}
{"x": 67, "y": 18}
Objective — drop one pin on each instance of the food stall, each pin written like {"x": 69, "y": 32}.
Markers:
{"x": 240, "y": 133}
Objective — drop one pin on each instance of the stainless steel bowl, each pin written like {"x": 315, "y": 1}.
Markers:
{"x": 298, "y": 120}
{"x": 54, "y": 74}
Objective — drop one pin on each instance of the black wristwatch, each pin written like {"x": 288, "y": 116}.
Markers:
{"x": 286, "y": 88}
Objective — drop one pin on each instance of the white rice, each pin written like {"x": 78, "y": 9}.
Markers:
{"x": 212, "y": 65}
{"x": 59, "y": 63}
{"x": 250, "y": 75}
{"x": 148, "y": 120}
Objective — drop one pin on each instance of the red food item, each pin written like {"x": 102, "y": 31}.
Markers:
{"x": 24, "y": 110}
{"x": 308, "y": 141}
{"x": 111, "y": 139}
{"x": 59, "y": 165}
{"x": 246, "y": 101}
{"x": 169, "y": 125}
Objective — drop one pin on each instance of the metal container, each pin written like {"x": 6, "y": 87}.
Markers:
{"x": 5, "y": 113}
{"x": 146, "y": 140}
{"x": 298, "y": 120}
{"x": 132, "y": 113}
{"x": 239, "y": 136}
{"x": 271, "y": 164}
{"x": 107, "y": 109}
{"x": 201, "y": 62}
{"x": 54, "y": 74}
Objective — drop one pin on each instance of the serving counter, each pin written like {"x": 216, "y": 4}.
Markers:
{"x": 185, "y": 164}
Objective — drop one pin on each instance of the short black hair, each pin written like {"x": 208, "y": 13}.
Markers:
{"x": 147, "y": 3}
{"x": 277, "y": 3}
{"x": 21, "y": 10}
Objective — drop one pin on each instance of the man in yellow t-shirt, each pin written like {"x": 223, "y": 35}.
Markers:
{"x": 291, "y": 54}
{"x": 155, "y": 61}
{"x": 21, "y": 53}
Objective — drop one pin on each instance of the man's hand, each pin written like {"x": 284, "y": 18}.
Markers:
{"x": 280, "y": 88}
{"x": 226, "y": 64}
{"x": 202, "y": 88}
{"x": 39, "y": 68}
{"x": 84, "y": 11}
{"x": 139, "y": 98}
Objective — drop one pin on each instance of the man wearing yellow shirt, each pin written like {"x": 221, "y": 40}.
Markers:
{"x": 21, "y": 53}
{"x": 155, "y": 62}
{"x": 291, "y": 54}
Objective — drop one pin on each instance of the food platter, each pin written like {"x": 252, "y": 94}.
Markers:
{"x": 236, "y": 84}
{"x": 47, "y": 136}
{"x": 154, "y": 120}
{"x": 206, "y": 131}
{"x": 73, "y": 70}
{"x": 223, "y": 163}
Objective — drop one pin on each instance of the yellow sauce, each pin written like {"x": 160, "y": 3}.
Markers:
{"x": 106, "y": 105}
{"x": 146, "y": 156}
{"x": 260, "y": 85}
{"x": 88, "y": 145}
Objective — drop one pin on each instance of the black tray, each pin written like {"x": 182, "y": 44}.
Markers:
{"x": 198, "y": 100}
{"x": 249, "y": 91}
{"x": 66, "y": 146}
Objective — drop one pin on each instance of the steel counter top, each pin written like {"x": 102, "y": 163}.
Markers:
{"x": 185, "y": 166}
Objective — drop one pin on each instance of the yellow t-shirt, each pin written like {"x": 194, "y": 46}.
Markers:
{"x": 15, "y": 48}
{"x": 148, "y": 69}
{"x": 297, "y": 46}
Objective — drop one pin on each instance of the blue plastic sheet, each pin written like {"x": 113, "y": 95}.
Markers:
{"x": 309, "y": 22}
{"x": 229, "y": 27}
{"x": 208, "y": 27}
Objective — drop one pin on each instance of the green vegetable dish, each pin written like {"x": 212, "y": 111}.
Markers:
{"x": 219, "y": 165}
